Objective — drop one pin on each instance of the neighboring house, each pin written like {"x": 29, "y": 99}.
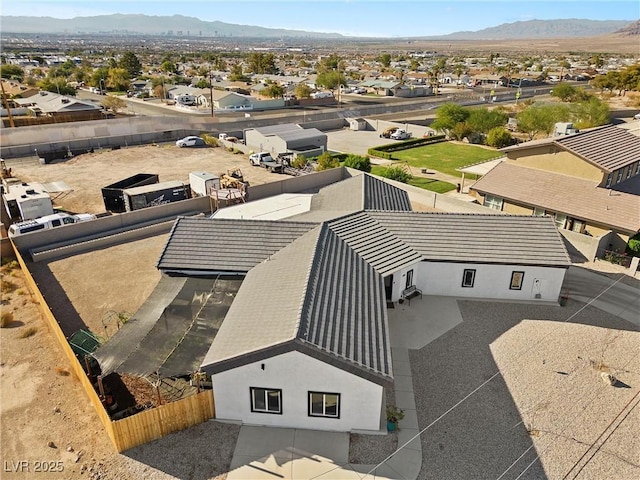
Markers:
{"x": 13, "y": 89}
{"x": 53, "y": 105}
{"x": 186, "y": 95}
{"x": 382, "y": 87}
{"x": 287, "y": 137}
{"x": 588, "y": 181}
{"x": 296, "y": 333}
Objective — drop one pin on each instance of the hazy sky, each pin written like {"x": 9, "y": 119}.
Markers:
{"x": 380, "y": 18}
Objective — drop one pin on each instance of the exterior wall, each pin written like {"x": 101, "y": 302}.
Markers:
{"x": 491, "y": 281}
{"x": 516, "y": 209}
{"x": 400, "y": 281}
{"x": 296, "y": 374}
{"x": 552, "y": 159}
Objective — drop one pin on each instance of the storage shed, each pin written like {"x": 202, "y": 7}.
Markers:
{"x": 357, "y": 124}
{"x": 288, "y": 137}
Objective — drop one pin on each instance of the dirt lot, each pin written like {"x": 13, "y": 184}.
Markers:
{"x": 88, "y": 173}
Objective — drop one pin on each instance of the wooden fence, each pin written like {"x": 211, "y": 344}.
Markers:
{"x": 138, "y": 429}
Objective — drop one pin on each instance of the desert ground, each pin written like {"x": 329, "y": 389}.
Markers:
{"x": 48, "y": 423}
{"x": 86, "y": 174}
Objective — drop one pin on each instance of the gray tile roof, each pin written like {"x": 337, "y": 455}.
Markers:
{"x": 327, "y": 302}
{"x": 609, "y": 147}
{"x": 473, "y": 238}
{"x": 576, "y": 197}
{"x": 384, "y": 251}
{"x": 200, "y": 244}
{"x": 360, "y": 192}
{"x": 301, "y": 134}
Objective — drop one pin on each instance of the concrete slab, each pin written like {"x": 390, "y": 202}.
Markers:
{"x": 333, "y": 446}
{"x": 405, "y": 400}
{"x": 406, "y": 463}
{"x": 399, "y": 354}
{"x": 410, "y": 419}
{"x": 401, "y": 368}
{"x": 416, "y": 325}
{"x": 381, "y": 472}
{"x": 262, "y": 441}
{"x": 406, "y": 439}
{"x": 403, "y": 383}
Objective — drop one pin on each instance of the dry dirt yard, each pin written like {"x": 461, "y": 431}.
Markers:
{"x": 86, "y": 174}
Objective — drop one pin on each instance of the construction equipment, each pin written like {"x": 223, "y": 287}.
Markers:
{"x": 6, "y": 172}
{"x": 233, "y": 179}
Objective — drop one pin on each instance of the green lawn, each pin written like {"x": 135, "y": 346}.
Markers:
{"x": 421, "y": 182}
{"x": 445, "y": 157}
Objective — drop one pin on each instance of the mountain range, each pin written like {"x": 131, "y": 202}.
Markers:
{"x": 179, "y": 25}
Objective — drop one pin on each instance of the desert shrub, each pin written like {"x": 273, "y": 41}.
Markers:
{"x": 10, "y": 264}
{"x": 460, "y": 130}
{"x": 358, "y": 162}
{"x": 28, "y": 332}
{"x": 326, "y": 161}
{"x": 210, "y": 140}
{"x": 398, "y": 174}
{"x": 6, "y": 319}
{"x": 499, "y": 137}
{"x": 299, "y": 161}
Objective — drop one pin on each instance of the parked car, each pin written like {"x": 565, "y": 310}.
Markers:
{"x": 400, "y": 135}
{"x": 257, "y": 159}
{"x": 191, "y": 141}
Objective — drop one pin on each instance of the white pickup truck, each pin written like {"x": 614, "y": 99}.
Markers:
{"x": 400, "y": 135}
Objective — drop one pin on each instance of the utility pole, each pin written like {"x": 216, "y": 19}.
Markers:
{"x": 211, "y": 92}
{"x": 6, "y": 105}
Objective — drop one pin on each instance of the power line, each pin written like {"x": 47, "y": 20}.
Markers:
{"x": 488, "y": 380}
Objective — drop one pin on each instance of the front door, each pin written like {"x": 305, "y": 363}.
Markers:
{"x": 388, "y": 287}
{"x": 409, "y": 279}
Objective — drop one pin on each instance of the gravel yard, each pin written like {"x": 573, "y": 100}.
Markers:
{"x": 540, "y": 402}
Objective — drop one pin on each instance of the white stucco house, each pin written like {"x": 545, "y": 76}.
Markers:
{"x": 287, "y": 316}
{"x": 305, "y": 340}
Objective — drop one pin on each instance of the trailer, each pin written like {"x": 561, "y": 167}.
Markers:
{"x": 26, "y": 201}
{"x": 113, "y": 197}
{"x": 155, "y": 194}
{"x": 202, "y": 183}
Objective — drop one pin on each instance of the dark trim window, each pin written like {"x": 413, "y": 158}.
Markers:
{"x": 322, "y": 404}
{"x": 516, "y": 280}
{"x": 468, "y": 277}
{"x": 266, "y": 400}
{"x": 409, "y": 281}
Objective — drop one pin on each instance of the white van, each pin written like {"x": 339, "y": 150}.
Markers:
{"x": 48, "y": 221}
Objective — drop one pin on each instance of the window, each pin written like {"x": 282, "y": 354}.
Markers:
{"x": 409, "y": 279}
{"x": 638, "y": 168}
{"x": 609, "y": 180}
{"x": 266, "y": 400}
{"x": 629, "y": 171}
{"x": 619, "y": 177}
{"x": 538, "y": 212}
{"x": 516, "y": 280}
{"x": 492, "y": 202}
{"x": 324, "y": 404}
{"x": 560, "y": 220}
{"x": 55, "y": 223}
{"x": 468, "y": 278}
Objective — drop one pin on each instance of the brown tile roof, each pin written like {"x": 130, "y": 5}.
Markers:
{"x": 576, "y": 197}
{"x": 608, "y": 147}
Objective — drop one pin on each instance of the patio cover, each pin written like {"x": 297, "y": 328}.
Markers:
{"x": 172, "y": 331}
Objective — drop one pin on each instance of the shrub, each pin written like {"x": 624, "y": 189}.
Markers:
{"x": 210, "y": 140}
{"x": 10, "y": 264}
{"x": 28, "y": 332}
{"x": 6, "y": 319}
{"x": 326, "y": 161}
{"x": 460, "y": 130}
{"x": 499, "y": 137}
{"x": 299, "y": 161}
{"x": 398, "y": 174}
{"x": 633, "y": 247}
{"x": 358, "y": 162}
